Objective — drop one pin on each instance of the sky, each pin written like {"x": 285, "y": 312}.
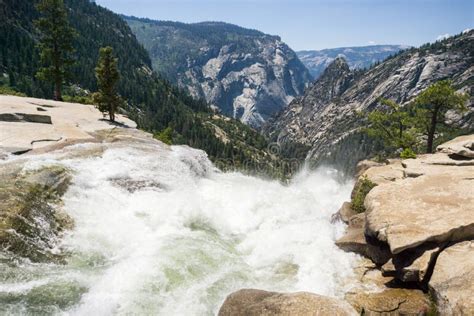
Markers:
{"x": 319, "y": 24}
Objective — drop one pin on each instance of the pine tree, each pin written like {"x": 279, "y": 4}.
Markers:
{"x": 55, "y": 43}
{"x": 432, "y": 105}
{"x": 107, "y": 98}
{"x": 395, "y": 126}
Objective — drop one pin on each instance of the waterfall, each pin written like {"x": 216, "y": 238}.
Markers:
{"x": 161, "y": 231}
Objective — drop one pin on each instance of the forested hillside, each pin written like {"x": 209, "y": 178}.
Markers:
{"x": 95, "y": 26}
{"x": 152, "y": 101}
{"x": 330, "y": 119}
{"x": 245, "y": 73}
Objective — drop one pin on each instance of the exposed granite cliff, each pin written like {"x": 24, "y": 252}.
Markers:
{"x": 247, "y": 74}
{"x": 357, "y": 57}
{"x": 326, "y": 118}
{"x": 418, "y": 227}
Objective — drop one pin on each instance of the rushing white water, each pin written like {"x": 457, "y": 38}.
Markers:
{"x": 161, "y": 232}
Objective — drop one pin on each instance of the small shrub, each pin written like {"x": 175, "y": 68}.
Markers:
{"x": 363, "y": 188}
{"x": 78, "y": 99}
{"x": 381, "y": 158}
{"x": 10, "y": 91}
{"x": 166, "y": 136}
{"x": 407, "y": 153}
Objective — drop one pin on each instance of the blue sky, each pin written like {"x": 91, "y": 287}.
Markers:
{"x": 318, "y": 24}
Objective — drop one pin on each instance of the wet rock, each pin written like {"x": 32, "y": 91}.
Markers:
{"x": 354, "y": 240}
{"x": 376, "y": 294}
{"x": 344, "y": 214}
{"x": 136, "y": 185}
{"x": 452, "y": 282}
{"x": 251, "y": 302}
{"x": 391, "y": 301}
{"x": 31, "y": 219}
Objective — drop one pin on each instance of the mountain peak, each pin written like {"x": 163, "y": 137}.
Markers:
{"x": 247, "y": 74}
{"x": 336, "y": 76}
{"x": 339, "y": 63}
{"x": 334, "y": 81}
{"x": 356, "y": 57}
{"x": 326, "y": 117}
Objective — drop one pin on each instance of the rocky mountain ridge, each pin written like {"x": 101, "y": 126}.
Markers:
{"x": 152, "y": 101}
{"x": 327, "y": 118}
{"x": 245, "y": 73}
{"x": 357, "y": 57}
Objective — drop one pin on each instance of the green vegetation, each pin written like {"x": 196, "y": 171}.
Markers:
{"x": 55, "y": 43}
{"x": 246, "y": 150}
{"x": 107, "y": 99}
{"x": 166, "y": 136}
{"x": 431, "y": 107}
{"x": 407, "y": 128}
{"x": 395, "y": 126}
{"x": 362, "y": 188}
{"x": 407, "y": 153}
{"x": 28, "y": 199}
{"x": 185, "y": 41}
{"x": 152, "y": 101}
{"x": 78, "y": 99}
{"x": 181, "y": 51}
{"x": 10, "y": 91}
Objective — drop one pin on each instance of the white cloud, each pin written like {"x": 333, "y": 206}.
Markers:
{"x": 442, "y": 36}
{"x": 466, "y": 31}
{"x": 371, "y": 42}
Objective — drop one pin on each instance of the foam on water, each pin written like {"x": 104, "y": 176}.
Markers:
{"x": 161, "y": 232}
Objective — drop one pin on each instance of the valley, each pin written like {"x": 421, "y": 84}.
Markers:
{"x": 329, "y": 117}
{"x": 246, "y": 74}
{"x": 155, "y": 167}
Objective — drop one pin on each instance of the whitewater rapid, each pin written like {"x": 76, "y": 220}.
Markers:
{"x": 163, "y": 232}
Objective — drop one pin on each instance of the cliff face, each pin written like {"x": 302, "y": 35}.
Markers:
{"x": 357, "y": 57}
{"x": 418, "y": 224}
{"x": 326, "y": 117}
{"x": 247, "y": 74}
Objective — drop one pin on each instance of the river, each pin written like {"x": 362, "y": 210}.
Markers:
{"x": 164, "y": 233}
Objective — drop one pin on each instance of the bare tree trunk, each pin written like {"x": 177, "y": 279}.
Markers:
{"x": 112, "y": 115}
{"x": 431, "y": 131}
{"x": 57, "y": 75}
{"x": 57, "y": 91}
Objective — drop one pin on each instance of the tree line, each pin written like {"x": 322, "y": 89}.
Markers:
{"x": 56, "y": 50}
{"x": 146, "y": 97}
{"x": 415, "y": 127}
